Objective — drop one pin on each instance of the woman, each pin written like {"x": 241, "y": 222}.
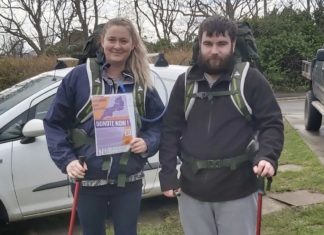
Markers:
{"x": 122, "y": 63}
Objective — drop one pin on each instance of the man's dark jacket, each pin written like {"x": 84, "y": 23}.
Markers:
{"x": 215, "y": 129}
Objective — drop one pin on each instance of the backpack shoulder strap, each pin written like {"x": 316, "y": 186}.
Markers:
{"x": 236, "y": 91}
{"x": 139, "y": 94}
{"x": 237, "y": 86}
{"x": 190, "y": 89}
{"x": 95, "y": 87}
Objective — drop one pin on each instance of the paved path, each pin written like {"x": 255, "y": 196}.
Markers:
{"x": 274, "y": 202}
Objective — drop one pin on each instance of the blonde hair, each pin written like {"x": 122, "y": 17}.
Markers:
{"x": 138, "y": 61}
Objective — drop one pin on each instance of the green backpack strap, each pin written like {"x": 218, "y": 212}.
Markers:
{"x": 96, "y": 88}
{"x": 140, "y": 99}
{"x": 139, "y": 95}
{"x": 236, "y": 91}
{"x": 78, "y": 136}
{"x": 122, "y": 178}
{"x": 237, "y": 87}
{"x": 191, "y": 88}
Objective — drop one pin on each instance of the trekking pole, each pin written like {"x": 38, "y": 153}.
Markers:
{"x": 75, "y": 199}
{"x": 259, "y": 205}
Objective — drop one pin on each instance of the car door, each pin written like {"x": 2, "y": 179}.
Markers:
{"x": 40, "y": 186}
{"x": 318, "y": 80}
{"x": 8, "y": 134}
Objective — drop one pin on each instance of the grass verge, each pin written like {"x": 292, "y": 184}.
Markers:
{"x": 299, "y": 220}
{"x": 293, "y": 221}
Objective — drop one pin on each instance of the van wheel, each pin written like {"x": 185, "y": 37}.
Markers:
{"x": 312, "y": 118}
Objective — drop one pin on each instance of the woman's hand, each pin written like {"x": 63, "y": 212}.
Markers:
{"x": 138, "y": 145}
{"x": 75, "y": 170}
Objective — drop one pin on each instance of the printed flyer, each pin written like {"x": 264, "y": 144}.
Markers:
{"x": 114, "y": 121}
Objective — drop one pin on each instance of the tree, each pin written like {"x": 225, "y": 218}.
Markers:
{"x": 234, "y": 9}
{"x": 12, "y": 46}
{"x": 170, "y": 19}
{"x": 24, "y": 19}
{"x": 64, "y": 15}
{"x": 284, "y": 39}
{"x": 82, "y": 9}
{"x": 41, "y": 23}
{"x": 265, "y": 8}
{"x": 319, "y": 15}
{"x": 161, "y": 14}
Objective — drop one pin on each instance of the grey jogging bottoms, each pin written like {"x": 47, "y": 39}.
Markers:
{"x": 236, "y": 217}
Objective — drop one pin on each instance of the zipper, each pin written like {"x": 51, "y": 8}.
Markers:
{"x": 210, "y": 113}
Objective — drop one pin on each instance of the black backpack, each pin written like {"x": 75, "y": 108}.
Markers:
{"x": 91, "y": 46}
{"x": 246, "y": 49}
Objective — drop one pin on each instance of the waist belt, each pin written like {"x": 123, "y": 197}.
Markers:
{"x": 101, "y": 182}
{"x": 233, "y": 163}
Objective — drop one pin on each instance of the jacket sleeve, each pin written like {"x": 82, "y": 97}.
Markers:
{"x": 173, "y": 123}
{"x": 268, "y": 119}
{"x": 57, "y": 122}
{"x": 151, "y": 131}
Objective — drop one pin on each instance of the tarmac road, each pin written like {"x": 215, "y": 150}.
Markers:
{"x": 293, "y": 111}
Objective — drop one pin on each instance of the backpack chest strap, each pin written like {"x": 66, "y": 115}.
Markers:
{"x": 210, "y": 94}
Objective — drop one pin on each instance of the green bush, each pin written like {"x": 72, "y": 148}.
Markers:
{"x": 284, "y": 40}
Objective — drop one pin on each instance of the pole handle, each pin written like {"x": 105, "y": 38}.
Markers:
{"x": 81, "y": 160}
{"x": 261, "y": 184}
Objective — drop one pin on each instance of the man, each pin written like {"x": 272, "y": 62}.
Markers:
{"x": 218, "y": 188}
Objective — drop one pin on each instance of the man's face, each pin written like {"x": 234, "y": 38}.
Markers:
{"x": 216, "y": 53}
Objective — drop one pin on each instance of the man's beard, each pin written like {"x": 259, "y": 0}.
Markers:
{"x": 223, "y": 65}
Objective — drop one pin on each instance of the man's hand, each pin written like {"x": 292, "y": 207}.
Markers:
{"x": 264, "y": 169}
{"x": 75, "y": 170}
{"x": 172, "y": 193}
{"x": 138, "y": 145}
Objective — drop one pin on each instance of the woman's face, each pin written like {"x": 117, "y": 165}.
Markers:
{"x": 117, "y": 44}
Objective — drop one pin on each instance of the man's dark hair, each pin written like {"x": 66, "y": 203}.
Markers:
{"x": 219, "y": 25}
